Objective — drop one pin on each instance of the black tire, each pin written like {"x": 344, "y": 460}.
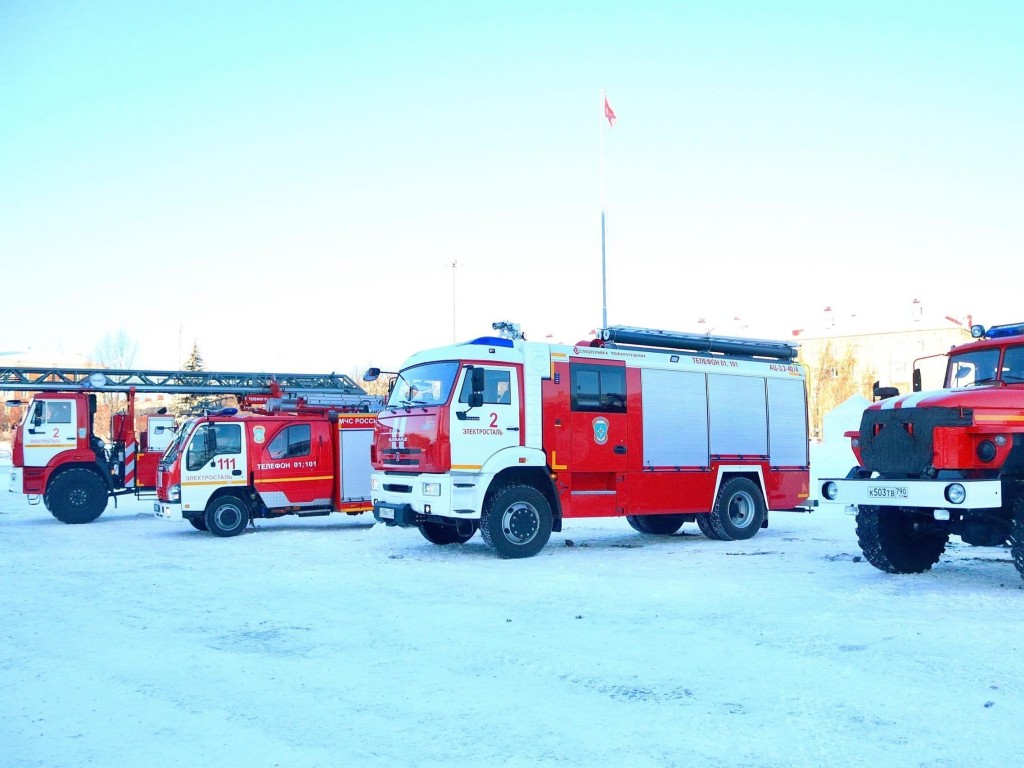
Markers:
{"x": 76, "y": 496}
{"x": 704, "y": 523}
{"x": 892, "y": 543}
{"x": 226, "y": 516}
{"x": 516, "y": 521}
{"x": 739, "y": 510}
{"x": 437, "y": 533}
{"x": 198, "y": 523}
{"x": 656, "y": 525}
{"x": 1017, "y": 536}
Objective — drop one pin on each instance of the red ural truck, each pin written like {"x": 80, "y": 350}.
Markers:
{"x": 57, "y": 457}
{"x": 944, "y": 462}
{"x": 301, "y": 456}
{"x": 513, "y": 437}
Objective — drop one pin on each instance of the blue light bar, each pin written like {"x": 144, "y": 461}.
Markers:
{"x": 492, "y": 341}
{"x": 1003, "y": 331}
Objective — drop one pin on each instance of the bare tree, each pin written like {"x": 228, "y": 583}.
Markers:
{"x": 115, "y": 351}
{"x": 834, "y": 375}
{"x": 378, "y": 387}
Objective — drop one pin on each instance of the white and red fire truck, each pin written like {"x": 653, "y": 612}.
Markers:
{"x": 945, "y": 462}
{"x": 57, "y": 457}
{"x": 300, "y": 456}
{"x": 513, "y": 437}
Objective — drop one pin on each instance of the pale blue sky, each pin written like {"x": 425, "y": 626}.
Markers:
{"x": 289, "y": 183}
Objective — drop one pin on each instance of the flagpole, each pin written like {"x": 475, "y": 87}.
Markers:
{"x": 604, "y": 284}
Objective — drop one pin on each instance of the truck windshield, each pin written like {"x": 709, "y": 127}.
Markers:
{"x": 972, "y": 368}
{"x": 426, "y": 384}
{"x": 174, "y": 449}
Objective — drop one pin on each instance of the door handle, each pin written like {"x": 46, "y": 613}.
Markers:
{"x": 512, "y": 429}
{"x": 619, "y": 449}
{"x": 236, "y": 472}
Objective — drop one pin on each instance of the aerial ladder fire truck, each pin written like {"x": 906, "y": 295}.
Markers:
{"x": 57, "y": 457}
{"x": 512, "y": 438}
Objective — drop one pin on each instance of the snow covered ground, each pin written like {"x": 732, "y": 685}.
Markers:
{"x": 335, "y": 642}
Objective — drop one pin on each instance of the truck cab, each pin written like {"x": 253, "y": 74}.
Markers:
{"x": 56, "y": 457}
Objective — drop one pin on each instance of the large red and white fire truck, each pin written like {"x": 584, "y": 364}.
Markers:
{"x": 945, "y": 462}
{"x": 513, "y": 437}
{"x": 57, "y": 457}
{"x": 305, "y": 456}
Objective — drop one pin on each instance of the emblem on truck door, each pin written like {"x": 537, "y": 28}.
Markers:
{"x": 600, "y": 430}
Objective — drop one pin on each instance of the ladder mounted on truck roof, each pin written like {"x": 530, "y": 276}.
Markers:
{"x": 313, "y": 403}
{"x": 175, "y": 382}
{"x": 698, "y": 342}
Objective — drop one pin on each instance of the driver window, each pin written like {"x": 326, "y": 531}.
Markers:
{"x": 497, "y": 387}
{"x": 212, "y": 440}
{"x": 58, "y": 412}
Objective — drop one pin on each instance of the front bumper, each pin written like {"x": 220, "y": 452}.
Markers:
{"x": 402, "y": 500}
{"x": 928, "y": 494}
{"x": 167, "y": 510}
{"x": 401, "y": 515}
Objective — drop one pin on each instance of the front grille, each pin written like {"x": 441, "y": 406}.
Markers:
{"x": 401, "y": 457}
{"x": 898, "y": 441}
{"x": 396, "y": 488}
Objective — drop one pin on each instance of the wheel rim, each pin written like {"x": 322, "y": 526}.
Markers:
{"x": 741, "y": 509}
{"x": 520, "y": 523}
{"x": 78, "y": 498}
{"x": 228, "y": 516}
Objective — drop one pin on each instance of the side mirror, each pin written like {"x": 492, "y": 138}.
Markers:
{"x": 371, "y": 374}
{"x": 882, "y": 393}
{"x": 476, "y": 399}
{"x": 917, "y": 380}
{"x": 478, "y": 378}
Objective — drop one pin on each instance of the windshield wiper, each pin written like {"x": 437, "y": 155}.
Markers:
{"x": 408, "y": 404}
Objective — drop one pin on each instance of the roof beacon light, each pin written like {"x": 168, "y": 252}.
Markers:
{"x": 508, "y": 330}
{"x": 1000, "y": 331}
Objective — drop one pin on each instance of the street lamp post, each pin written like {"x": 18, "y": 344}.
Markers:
{"x": 455, "y": 264}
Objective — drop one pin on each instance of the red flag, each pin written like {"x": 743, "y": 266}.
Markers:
{"x": 609, "y": 112}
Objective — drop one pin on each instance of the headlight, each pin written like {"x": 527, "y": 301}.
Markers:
{"x": 956, "y": 493}
{"x": 830, "y": 490}
{"x": 374, "y": 483}
{"x": 174, "y": 493}
{"x": 431, "y": 489}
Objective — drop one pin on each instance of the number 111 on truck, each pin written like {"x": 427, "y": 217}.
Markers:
{"x": 512, "y": 438}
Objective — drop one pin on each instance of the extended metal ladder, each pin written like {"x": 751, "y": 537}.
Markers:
{"x": 175, "y": 382}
